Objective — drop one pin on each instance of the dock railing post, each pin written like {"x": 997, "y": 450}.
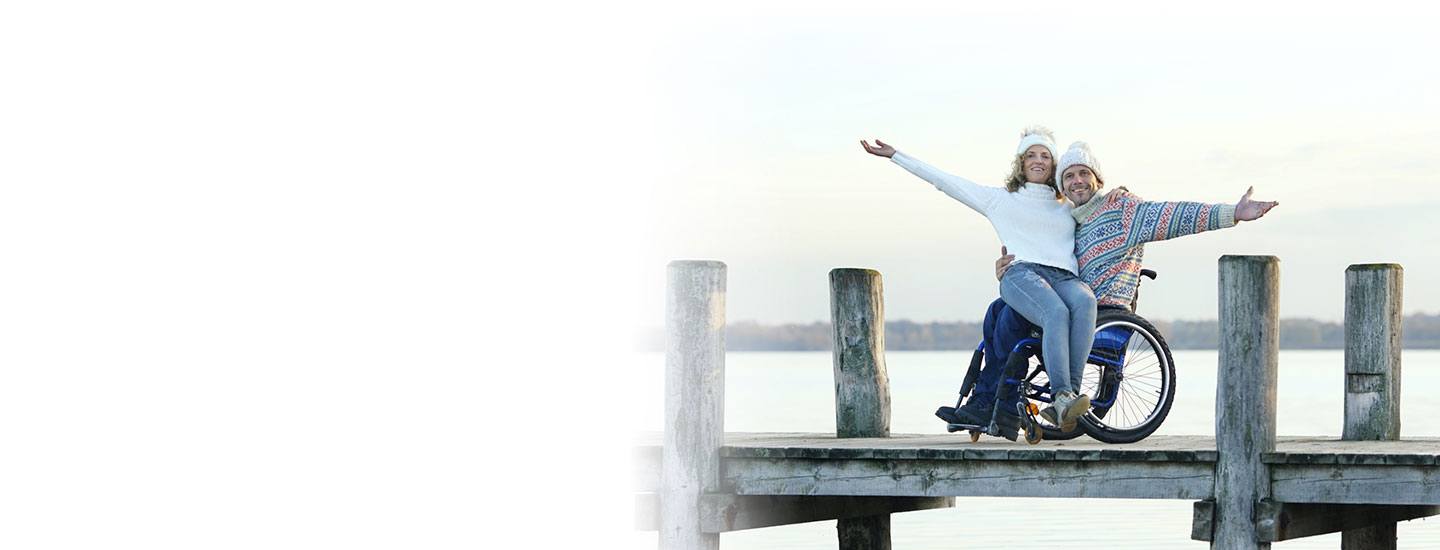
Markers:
{"x": 862, "y": 386}
{"x": 1373, "y": 295}
{"x": 694, "y": 401}
{"x": 1245, "y": 395}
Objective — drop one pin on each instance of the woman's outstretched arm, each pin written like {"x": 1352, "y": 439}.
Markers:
{"x": 972, "y": 194}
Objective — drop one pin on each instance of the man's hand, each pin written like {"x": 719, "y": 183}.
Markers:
{"x": 880, "y": 149}
{"x": 1003, "y": 263}
{"x": 1247, "y": 210}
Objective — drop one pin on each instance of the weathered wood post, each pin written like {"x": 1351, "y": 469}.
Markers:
{"x": 694, "y": 401}
{"x": 1245, "y": 395}
{"x": 862, "y": 386}
{"x": 1373, "y": 295}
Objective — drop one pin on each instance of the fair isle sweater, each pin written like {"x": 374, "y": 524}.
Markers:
{"x": 1032, "y": 222}
{"x": 1114, "y": 227}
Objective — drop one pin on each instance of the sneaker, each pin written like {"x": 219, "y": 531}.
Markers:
{"x": 1048, "y": 414}
{"x": 1073, "y": 407}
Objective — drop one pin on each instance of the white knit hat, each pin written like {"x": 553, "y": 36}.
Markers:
{"x": 1079, "y": 153}
{"x": 1036, "y": 135}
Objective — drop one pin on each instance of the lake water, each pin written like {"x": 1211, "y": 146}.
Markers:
{"x": 793, "y": 392}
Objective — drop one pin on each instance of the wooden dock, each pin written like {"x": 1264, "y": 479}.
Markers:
{"x": 1250, "y": 488}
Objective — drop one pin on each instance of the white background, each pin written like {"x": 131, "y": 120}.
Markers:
{"x": 279, "y": 274}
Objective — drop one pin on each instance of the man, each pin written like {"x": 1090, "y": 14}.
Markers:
{"x": 1110, "y": 236}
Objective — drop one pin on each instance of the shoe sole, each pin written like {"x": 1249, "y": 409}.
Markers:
{"x": 1072, "y": 415}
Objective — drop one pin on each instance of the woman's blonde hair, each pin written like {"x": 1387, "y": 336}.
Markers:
{"x": 1016, "y": 180}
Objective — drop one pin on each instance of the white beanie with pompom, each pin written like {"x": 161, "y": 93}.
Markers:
{"x": 1078, "y": 154}
{"x": 1036, "y": 135}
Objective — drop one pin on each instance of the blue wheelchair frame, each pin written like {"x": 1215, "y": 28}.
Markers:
{"x": 1108, "y": 350}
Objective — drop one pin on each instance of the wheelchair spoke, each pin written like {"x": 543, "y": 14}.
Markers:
{"x": 1151, "y": 377}
{"x": 1136, "y": 413}
{"x": 1134, "y": 351}
{"x": 1142, "y": 410}
{"x": 1138, "y": 402}
{"x": 1132, "y": 387}
{"x": 1141, "y": 382}
{"x": 1135, "y": 363}
{"x": 1142, "y": 401}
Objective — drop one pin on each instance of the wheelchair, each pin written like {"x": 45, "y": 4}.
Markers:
{"x": 1129, "y": 374}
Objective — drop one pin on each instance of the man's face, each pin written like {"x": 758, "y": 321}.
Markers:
{"x": 1079, "y": 184}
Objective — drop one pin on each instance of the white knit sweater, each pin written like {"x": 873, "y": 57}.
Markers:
{"x": 1032, "y": 223}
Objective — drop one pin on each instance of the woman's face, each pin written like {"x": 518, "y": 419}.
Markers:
{"x": 1038, "y": 165}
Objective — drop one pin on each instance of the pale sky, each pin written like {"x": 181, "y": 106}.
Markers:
{"x": 1333, "y": 113}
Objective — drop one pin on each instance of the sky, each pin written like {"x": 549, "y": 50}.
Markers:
{"x": 1329, "y": 110}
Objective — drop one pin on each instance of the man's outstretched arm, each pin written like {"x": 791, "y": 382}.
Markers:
{"x": 1158, "y": 221}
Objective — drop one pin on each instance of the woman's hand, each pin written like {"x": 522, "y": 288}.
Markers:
{"x": 1248, "y": 210}
{"x": 880, "y": 149}
{"x": 1002, "y": 264}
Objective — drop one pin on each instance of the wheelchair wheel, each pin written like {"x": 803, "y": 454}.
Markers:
{"x": 1033, "y": 434}
{"x": 1130, "y": 377}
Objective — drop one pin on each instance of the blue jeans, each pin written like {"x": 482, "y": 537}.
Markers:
{"x": 1002, "y": 329}
{"x": 1064, "y": 307}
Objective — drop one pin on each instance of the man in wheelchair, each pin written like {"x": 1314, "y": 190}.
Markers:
{"x": 1110, "y": 236}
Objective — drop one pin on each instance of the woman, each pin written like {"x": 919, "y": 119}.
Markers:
{"x": 1034, "y": 223}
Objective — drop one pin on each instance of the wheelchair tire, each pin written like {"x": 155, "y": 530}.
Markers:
{"x": 1142, "y": 390}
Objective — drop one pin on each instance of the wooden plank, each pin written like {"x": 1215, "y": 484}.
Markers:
{"x": 1245, "y": 395}
{"x": 958, "y": 447}
{"x": 694, "y": 401}
{"x": 1356, "y": 484}
{"x": 722, "y": 513}
{"x": 1187, "y": 481}
{"x": 1278, "y": 521}
{"x": 1332, "y": 462}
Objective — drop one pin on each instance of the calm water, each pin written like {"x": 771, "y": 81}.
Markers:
{"x": 794, "y": 392}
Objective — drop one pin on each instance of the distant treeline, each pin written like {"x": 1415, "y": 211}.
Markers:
{"x": 1421, "y": 331}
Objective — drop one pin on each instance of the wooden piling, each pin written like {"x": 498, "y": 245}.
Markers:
{"x": 694, "y": 401}
{"x": 1373, "y": 296}
{"x": 862, "y": 385}
{"x": 1245, "y": 395}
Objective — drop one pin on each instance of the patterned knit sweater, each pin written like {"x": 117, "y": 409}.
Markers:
{"x": 1114, "y": 227}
